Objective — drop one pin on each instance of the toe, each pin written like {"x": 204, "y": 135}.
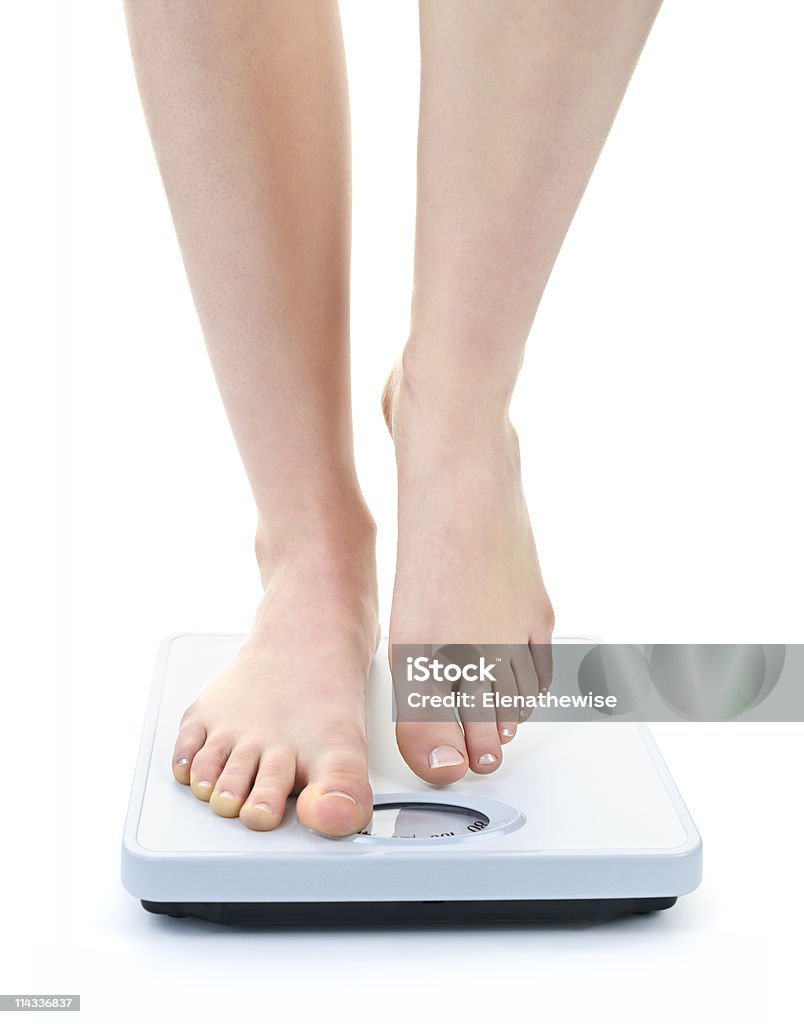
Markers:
{"x": 337, "y": 801}
{"x": 265, "y": 804}
{"x": 435, "y": 751}
{"x": 189, "y": 741}
{"x": 527, "y": 679}
{"x": 481, "y": 735}
{"x": 542, "y": 656}
{"x": 207, "y": 765}
{"x": 234, "y": 782}
{"x": 506, "y": 690}
{"x": 483, "y": 746}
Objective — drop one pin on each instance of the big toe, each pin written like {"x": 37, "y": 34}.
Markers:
{"x": 435, "y": 751}
{"x": 337, "y": 801}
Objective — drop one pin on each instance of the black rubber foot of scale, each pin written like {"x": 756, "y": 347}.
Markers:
{"x": 427, "y": 913}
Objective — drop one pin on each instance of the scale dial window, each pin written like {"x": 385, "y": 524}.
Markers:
{"x": 424, "y": 821}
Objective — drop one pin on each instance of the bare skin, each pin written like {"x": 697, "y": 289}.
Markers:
{"x": 469, "y": 578}
{"x": 516, "y": 101}
{"x": 248, "y": 111}
{"x": 250, "y": 738}
{"x": 247, "y": 107}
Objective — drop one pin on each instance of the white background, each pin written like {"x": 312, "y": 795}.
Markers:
{"x": 660, "y": 416}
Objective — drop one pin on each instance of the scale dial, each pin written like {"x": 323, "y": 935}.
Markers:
{"x": 419, "y": 818}
{"x": 424, "y": 821}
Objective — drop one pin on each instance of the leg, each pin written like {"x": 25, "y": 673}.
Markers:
{"x": 248, "y": 112}
{"x": 517, "y": 97}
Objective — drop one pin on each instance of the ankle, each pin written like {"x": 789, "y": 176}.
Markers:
{"x": 467, "y": 383}
{"x": 340, "y": 532}
{"x": 431, "y": 412}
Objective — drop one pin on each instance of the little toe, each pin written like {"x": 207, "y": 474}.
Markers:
{"x": 542, "y": 656}
{"x": 435, "y": 751}
{"x": 207, "y": 766}
{"x": 527, "y": 679}
{"x": 265, "y": 805}
{"x": 234, "y": 782}
{"x": 506, "y": 691}
{"x": 189, "y": 741}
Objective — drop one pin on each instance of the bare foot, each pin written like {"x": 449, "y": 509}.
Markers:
{"x": 288, "y": 715}
{"x": 467, "y": 569}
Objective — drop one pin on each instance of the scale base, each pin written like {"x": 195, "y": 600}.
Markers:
{"x": 414, "y": 913}
{"x": 581, "y": 823}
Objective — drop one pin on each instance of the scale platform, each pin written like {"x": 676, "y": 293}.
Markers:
{"x": 581, "y": 822}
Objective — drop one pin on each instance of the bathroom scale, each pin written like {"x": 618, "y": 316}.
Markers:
{"x": 581, "y": 822}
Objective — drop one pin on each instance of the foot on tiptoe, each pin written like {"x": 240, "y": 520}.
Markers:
{"x": 288, "y": 714}
{"x": 467, "y": 569}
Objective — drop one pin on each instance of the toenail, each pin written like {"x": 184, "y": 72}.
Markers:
{"x": 445, "y": 757}
{"x": 487, "y": 759}
{"x": 338, "y": 792}
{"x": 507, "y": 732}
{"x": 203, "y": 784}
{"x": 182, "y": 761}
{"x": 264, "y": 807}
{"x": 227, "y": 794}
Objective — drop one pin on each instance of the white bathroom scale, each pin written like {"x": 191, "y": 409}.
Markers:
{"x": 581, "y": 822}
